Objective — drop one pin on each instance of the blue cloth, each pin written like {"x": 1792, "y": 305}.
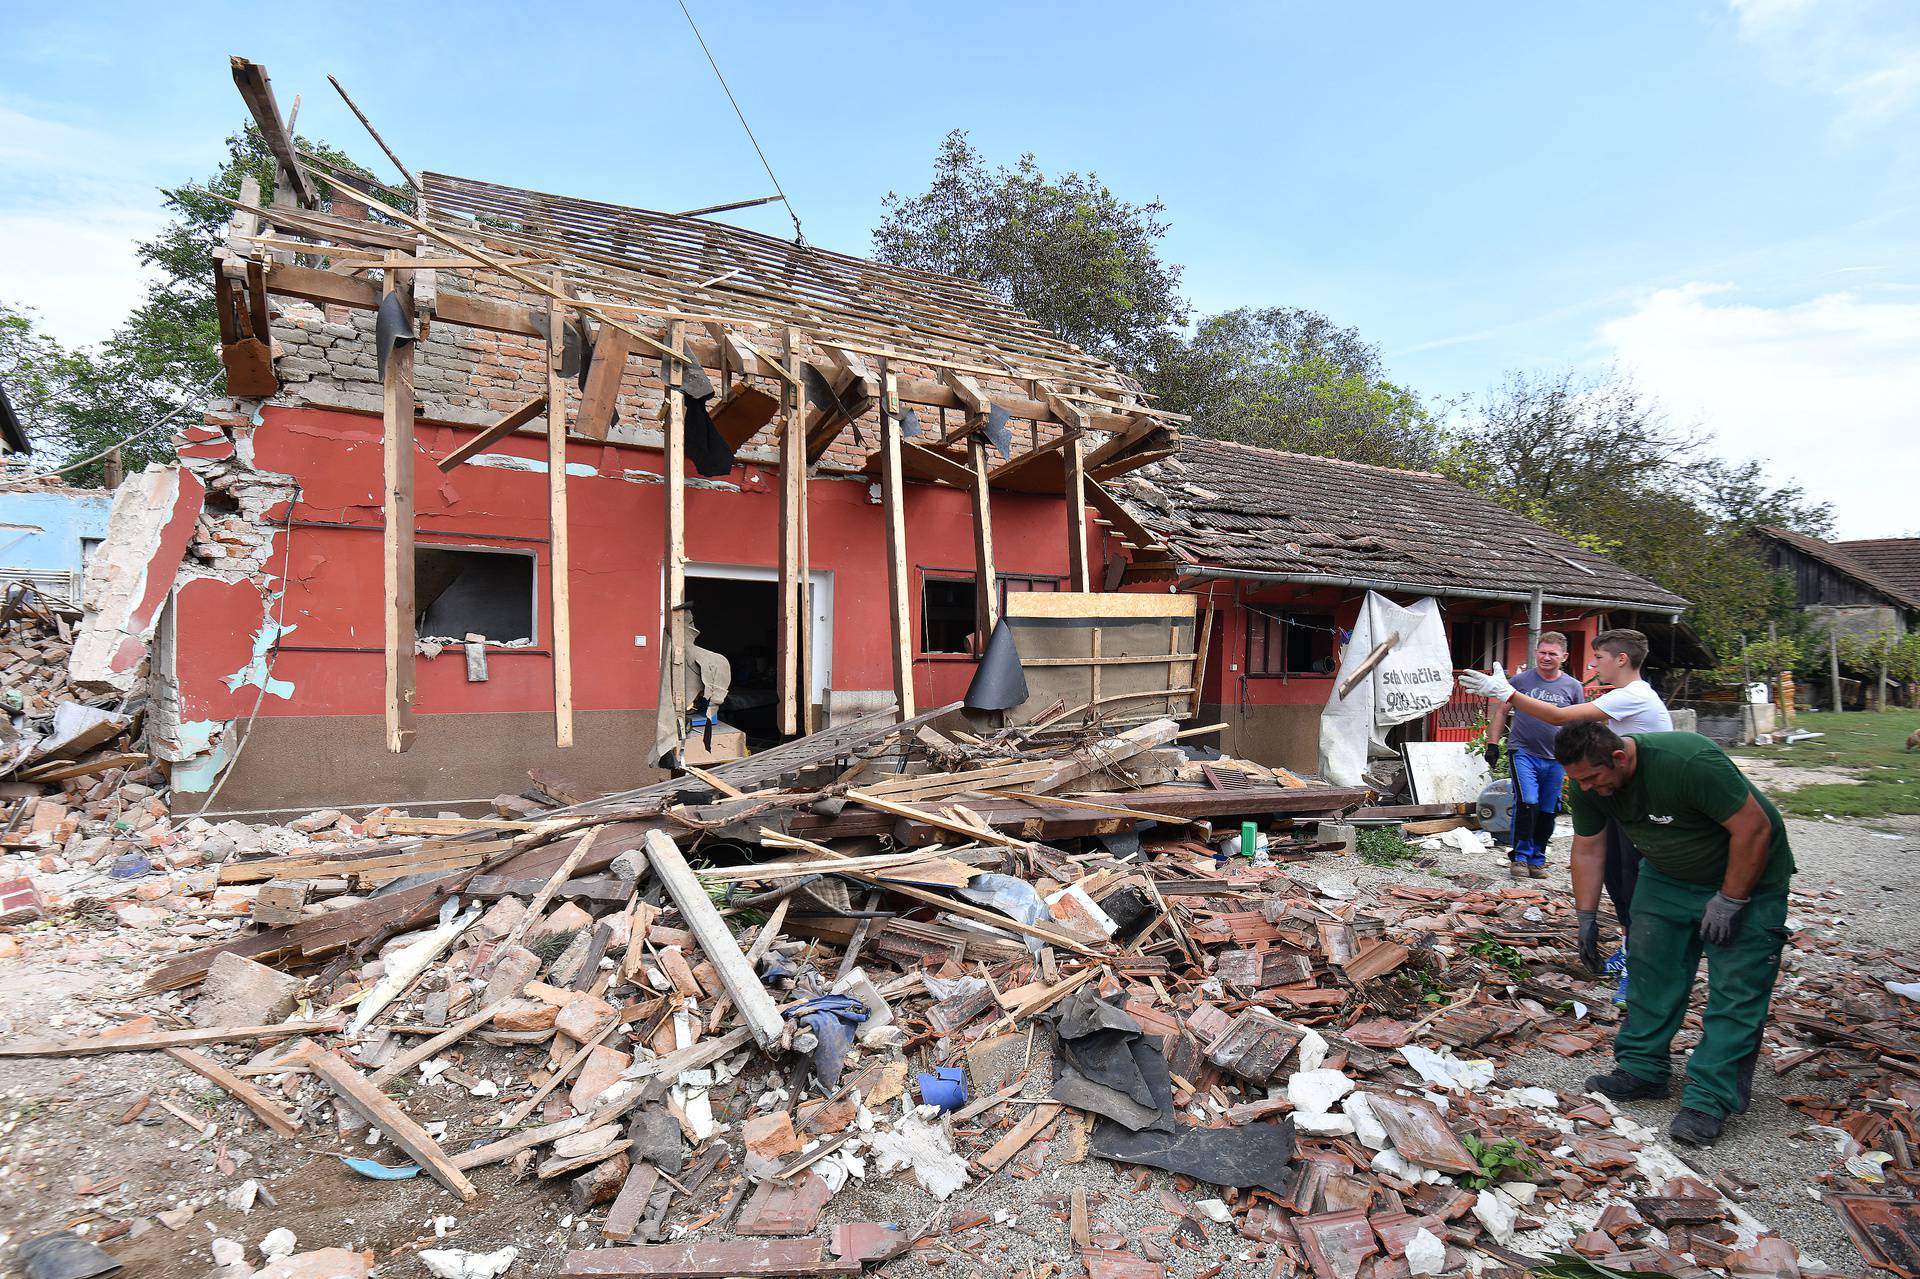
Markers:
{"x": 831, "y": 1018}
{"x": 1536, "y": 785}
{"x": 1535, "y": 736}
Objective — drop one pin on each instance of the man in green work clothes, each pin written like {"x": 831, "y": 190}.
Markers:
{"x": 1714, "y": 881}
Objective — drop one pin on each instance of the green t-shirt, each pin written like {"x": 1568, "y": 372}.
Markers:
{"x": 1682, "y": 788}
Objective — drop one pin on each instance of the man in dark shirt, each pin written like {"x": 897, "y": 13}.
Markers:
{"x": 1536, "y": 774}
{"x": 1714, "y": 881}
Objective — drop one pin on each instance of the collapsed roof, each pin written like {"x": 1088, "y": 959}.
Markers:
{"x": 1235, "y": 510}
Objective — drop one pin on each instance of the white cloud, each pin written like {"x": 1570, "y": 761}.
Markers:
{"x": 73, "y": 201}
{"x": 1864, "y": 53}
{"x": 1825, "y": 391}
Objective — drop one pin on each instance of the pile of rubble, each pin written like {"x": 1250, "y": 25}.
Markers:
{"x": 816, "y": 1009}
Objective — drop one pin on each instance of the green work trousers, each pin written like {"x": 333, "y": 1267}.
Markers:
{"x": 1666, "y": 948}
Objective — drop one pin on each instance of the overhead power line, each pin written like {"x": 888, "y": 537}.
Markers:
{"x": 798, "y": 234}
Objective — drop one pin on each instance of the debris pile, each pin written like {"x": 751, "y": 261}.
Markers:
{"x": 815, "y": 1009}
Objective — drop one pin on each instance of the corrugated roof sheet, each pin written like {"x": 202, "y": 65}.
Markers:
{"x": 1233, "y": 506}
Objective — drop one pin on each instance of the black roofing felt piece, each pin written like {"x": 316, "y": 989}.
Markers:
{"x": 11, "y": 429}
{"x": 998, "y": 682}
{"x": 999, "y": 434}
{"x": 391, "y": 326}
{"x": 1252, "y": 1155}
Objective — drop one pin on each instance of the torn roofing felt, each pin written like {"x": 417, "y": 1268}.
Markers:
{"x": 1107, "y": 1066}
{"x": 707, "y": 449}
{"x": 998, "y": 682}
{"x": 391, "y": 326}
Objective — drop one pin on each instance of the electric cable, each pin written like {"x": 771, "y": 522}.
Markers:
{"x": 12, "y": 481}
{"x": 799, "y": 235}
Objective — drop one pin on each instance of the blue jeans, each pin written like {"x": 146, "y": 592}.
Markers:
{"x": 1536, "y": 784}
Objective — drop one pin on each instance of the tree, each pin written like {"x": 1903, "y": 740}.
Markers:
{"x": 1739, "y": 493}
{"x": 1067, "y": 251}
{"x": 1595, "y": 459}
{"x": 163, "y": 361}
{"x": 1289, "y": 378}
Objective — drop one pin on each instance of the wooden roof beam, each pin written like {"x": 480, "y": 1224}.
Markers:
{"x": 257, "y": 92}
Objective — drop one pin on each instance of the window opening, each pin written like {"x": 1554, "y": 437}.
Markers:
{"x": 474, "y": 592}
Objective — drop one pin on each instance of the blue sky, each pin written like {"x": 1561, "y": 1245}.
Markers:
{"x": 1720, "y": 195}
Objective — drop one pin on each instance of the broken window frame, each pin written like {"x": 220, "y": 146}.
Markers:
{"x": 1315, "y": 629}
{"x": 1005, "y": 583}
{"x": 536, "y": 575}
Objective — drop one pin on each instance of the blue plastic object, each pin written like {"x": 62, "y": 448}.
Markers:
{"x": 945, "y": 1087}
{"x": 1616, "y": 964}
{"x": 379, "y": 1171}
{"x": 130, "y": 865}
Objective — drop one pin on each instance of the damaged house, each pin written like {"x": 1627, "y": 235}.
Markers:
{"x": 1282, "y": 548}
{"x": 489, "y": 459}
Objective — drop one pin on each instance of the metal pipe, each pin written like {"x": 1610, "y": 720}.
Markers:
{"x": 1410, "y": 588}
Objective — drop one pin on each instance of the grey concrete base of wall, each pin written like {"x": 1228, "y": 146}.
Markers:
{"x": 297, "y": 764}
{"x": 1277, "y": 736}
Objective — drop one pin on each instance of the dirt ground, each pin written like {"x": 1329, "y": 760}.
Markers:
{"x": 66, "y": 1159}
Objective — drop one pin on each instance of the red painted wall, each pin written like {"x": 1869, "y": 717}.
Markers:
{"x": 331, "y": 651}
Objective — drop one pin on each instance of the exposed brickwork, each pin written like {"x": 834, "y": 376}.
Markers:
{"x": 325, "y": 357}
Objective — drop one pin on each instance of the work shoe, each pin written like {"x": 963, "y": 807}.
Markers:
{"x": 1695, "y": 1127}
{"x": 1537, "y": 870}
{"x": 1621, "y": 1086}
{"x": 1517, "y": 869}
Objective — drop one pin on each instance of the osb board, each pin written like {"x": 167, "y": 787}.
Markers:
{"x": 1052, "y": 628}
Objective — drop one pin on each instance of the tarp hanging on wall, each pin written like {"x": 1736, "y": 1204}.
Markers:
{"x": 1415, "y": 678}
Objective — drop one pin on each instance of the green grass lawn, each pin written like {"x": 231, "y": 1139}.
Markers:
{"x": 1867, "y": 744}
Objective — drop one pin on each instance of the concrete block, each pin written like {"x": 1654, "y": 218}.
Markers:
{"x": 1343, "y": 835}
{"x": 239, "y": 992}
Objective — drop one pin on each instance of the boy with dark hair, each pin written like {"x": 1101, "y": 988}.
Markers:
{"x": 1717, "y": 868}
{"x": 1537, "y": 776}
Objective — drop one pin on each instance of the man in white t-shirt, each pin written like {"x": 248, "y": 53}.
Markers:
{"x": 1628, "y": 706}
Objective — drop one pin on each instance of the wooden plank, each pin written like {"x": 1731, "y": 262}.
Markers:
{"x": 623, "y": 1218}
{"x": 389, "y": 1118}
{"x": 750, "y": 997}
{"x": 793, "y": 497}
{"x": 489, "y": 436}
{"x": 1075, "y": 458}
{"x": 1100, "y": 605}
{"x": 1014, "y": 1142}
{"x": 256, "y": 90}
{"x": 986, "y": 607}
{"x": 433, "y": 1044}
{"x": 893, "y": 499}
{"x": 243, "y": 1092}
{"x": 154, "y": 1041}
{"x": 604, "y": 376}
{"x": 673, "y": 465}
{"x": 561, "y": 873}
{"x": 1132, "y": 531}
{"x": 559, "y": 561}
{"x": 397, "y": 532}
{"x": 1368, "y": 663}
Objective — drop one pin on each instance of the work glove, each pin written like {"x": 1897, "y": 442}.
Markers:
{"x": 1493, "y": 754}
{"x": 1722, "y": 919}
{"x": 1589, "y": 939}
{"x": 1497, "y": 685}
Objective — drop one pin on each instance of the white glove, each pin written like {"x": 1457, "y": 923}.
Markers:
{"x": 1497, "y": 685}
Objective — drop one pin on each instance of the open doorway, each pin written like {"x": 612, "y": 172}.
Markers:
{"x": 737, "y": 608}
{"x": 739, "y": 620}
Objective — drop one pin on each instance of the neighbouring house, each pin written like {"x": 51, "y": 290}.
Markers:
{"x": 1283, "y": 547}
{"x": 1894, "y": 560}
{"x": 1858, "y": 588}
{"x": 379, "y": 484}
{"x": 48, "y": 532}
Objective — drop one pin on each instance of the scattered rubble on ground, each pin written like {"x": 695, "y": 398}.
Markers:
{"x": 710, "y": 1016}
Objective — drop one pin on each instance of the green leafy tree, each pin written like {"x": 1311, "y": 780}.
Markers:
{"x": 1066, "y": 250}
{"x": 1289, "y": 378}
{"x": 1596, "y": 459}
{"x": 164, "y": 359}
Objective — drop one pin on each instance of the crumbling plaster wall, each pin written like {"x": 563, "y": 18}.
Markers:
{"x": 235, "y": 546}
